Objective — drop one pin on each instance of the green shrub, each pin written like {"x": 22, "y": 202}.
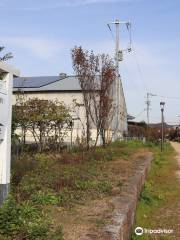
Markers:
{"x": 28, "y": 211}
{"x": 105, "y": 186}
{"x": 10, "y": 222}
{"x": 44, "y": 198}
{"x": 37, "y": 230}
{"x": 30, "y": 183}
{"x": 23, "y": 221}
{"x": 146, "y": 194}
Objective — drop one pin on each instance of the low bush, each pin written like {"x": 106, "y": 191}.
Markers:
{"x": 45, "y": 198}
{"x": 22, "y": 221}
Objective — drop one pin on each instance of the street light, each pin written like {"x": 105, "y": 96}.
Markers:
{"x": 162, "y": 124}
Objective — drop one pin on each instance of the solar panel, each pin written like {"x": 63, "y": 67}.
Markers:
{"x": 33, "y": 82}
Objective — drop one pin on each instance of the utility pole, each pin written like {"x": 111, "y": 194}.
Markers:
{"x": 117, "y": 89}
{"x": 148, "y": 103}
{"x": 116, "y": 86}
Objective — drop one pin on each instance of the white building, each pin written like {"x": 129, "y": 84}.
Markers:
{"x": 63, "y": 88}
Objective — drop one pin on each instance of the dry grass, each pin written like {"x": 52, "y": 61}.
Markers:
{"x": 160, "y": 206}
{"x": 86, "y": 220}
{"x": 75, "y": 188}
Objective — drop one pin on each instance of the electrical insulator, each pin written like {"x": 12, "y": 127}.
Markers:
{"x": 120, "y": 56}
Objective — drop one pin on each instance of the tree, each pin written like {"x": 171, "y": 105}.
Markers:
{"x": 84, "y": 65}
{"x": 106, "y": 108}
{"x": 47, "y": 120}
{"x": 96, "y": 74}
{"x": 19, "y": 116}
{"x": 4, "y": 57}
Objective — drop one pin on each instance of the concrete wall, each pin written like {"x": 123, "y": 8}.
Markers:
{"x": 67, "y": 98}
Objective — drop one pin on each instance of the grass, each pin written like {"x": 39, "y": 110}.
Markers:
{"x": 46, "y": 181}
{"x": 159, "y": 196}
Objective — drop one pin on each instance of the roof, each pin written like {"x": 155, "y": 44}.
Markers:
{"x": 46, "y": 83}
{"x": 159, "y": 125}
{"x": 129, "y": 117}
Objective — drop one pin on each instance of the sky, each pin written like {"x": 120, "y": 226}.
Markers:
{"x": 41, "y": 34}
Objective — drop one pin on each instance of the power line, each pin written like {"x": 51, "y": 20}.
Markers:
{"x": 139, "y": 114}
{"x": 111, "y": 32}
{"x": 137, "y": 90}
{"x": 139, "y": 68}
{"x": 168, "y": 97}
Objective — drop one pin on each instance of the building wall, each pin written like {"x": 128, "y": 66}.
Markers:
{"x": 123, "y": 111}
{"x": 67, "y": 98}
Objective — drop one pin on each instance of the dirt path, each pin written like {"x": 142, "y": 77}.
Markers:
{"x": 176, "y": 146}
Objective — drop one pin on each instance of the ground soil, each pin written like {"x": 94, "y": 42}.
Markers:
{"x": 87, "y": 221}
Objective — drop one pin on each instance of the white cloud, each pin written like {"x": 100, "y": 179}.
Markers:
{"x": 45, "y": 49}
{"x": 47, "y": 56}
{"x": 53, "y": 4}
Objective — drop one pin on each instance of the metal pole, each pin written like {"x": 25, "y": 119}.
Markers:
{"x": 117, "y": 83}
{"x": 117, "y": 46}
{"x": 162, "y": 124}
{"x": 148, "y": 103}
{"x": 162, "y": 129}
{"x": 117, "y": 23}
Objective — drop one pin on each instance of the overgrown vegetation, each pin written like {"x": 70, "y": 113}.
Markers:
{"x": 46, "y": 121}
{"x": 41, "y": 181}
{"x": 160, "y": 193}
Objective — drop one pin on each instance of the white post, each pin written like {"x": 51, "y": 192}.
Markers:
{"x": 117, "y": 90}
{"x": 6, "y": 86}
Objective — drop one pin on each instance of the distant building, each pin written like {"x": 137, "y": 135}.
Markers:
{"x": 62, "y": 88}
{"x": 166, "y": 126}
